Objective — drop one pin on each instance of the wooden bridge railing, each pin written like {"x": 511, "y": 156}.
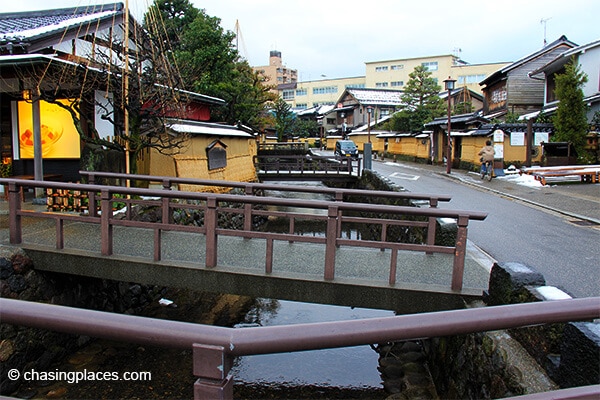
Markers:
{"x": 307, "y": 165}
{"x": 213, "y": 205}
{"x": 252, "y": 188}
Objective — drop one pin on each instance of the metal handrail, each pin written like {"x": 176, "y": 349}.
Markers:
{"x": 335, "y": 215}
{"x": 213, "y": 372}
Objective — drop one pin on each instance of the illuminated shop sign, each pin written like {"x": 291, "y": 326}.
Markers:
{"x": 59, "y": 136}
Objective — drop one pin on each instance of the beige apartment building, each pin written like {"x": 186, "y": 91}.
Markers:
{"x": 390, "y": 74}
{"x": 325, "y": 92}
{"x": 394, "y": 74}
{"x": 276, "y": 73}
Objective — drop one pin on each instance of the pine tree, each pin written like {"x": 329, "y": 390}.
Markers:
{"x": 422, "y": 102}
{"x": 570, "y": 121}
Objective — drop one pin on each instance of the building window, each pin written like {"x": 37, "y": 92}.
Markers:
{"x": 397, "y": 83}
{"x": 301, "y": 92}
{"x": 397, "y": 67}
{"x": 287, "y": 94}
{"x": 381, "y": 84}
{"x": 301, "y": 106}
{"x": 325, "y": 90}
{"x": 430, "y": 66}
{"x": 355, "y": 86}
{"x": 381, "y": 69}
{"x": 467, "y": 79}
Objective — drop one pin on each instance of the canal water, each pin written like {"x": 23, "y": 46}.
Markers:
{"x": 352, "y": 367}
{"x": 329, "y": 373}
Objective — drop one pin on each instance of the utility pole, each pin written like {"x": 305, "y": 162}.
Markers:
{"x": 126, "y": 89}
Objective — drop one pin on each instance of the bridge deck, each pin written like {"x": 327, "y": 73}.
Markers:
{"x": 362, "y": 274}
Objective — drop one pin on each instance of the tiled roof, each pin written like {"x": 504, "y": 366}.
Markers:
{"x": 21, "y": 29}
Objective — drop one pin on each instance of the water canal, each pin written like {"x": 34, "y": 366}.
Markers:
{"x": 330, "y": 373}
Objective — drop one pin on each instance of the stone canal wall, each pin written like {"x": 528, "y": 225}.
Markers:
{"x": 492, "y": 364}
{"x": 27, "y": 348}
{"x": 518, "y": 361}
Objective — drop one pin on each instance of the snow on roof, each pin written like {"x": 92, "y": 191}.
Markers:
{"x": 377, "y": 97}
{"x": 374, "y": 122}
{"x": 55, "y": 26}
{"x": 319, "y": 110}
{"x": 196, "y": 128}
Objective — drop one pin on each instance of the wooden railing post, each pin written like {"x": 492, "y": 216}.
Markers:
{"x": 248, "y": 191}
{"x": 92, "y": 207}
{"x": 14, "y": 206}
{"x": 331, "y": 240}
{"x": 106, "y": 226}
{"x": 459, "y": 253}
{"x": 212, "y": 365}
{"x": 210, "y": 224}
{"x": 166, "y": 210}
{"x": 339, "y": 196}
{"x": 433, "y": 203}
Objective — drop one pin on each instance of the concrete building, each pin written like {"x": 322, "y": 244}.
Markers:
{"x": 324, "y": 92}
{"x": 276, "y": 73}
{"x": 389, "y": 74}
{"x": 394, "y": 74}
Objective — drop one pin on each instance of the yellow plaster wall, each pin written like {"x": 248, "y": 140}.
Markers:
{"x": 377, "y": 145}
{"x": 472, "y": 145}
{"x": 409, "y": 146}
{"x": 192, "y": 162}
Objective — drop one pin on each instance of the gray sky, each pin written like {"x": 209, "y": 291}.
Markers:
{"x": 336, "y": 38}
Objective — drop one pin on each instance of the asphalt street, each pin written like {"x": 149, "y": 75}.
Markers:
{"x": 554, "y": 229}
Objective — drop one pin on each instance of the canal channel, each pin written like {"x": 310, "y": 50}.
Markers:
{"x": 330, "y": 373}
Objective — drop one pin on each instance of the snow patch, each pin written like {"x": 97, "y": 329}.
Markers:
{"x": 552, "y": 293}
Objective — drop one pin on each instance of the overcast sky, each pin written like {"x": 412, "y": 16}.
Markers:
{"x": 335, "y": 38}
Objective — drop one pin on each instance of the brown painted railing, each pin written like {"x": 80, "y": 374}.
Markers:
{"x": 306, "y": 166}
{"x": 333, "y": 213}
{"x": 251, "y": 188}
{"x": 215, "y": 347}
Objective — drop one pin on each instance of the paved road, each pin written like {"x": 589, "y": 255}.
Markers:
{"x": 555, "y": 230}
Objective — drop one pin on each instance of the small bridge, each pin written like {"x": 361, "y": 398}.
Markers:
{"x": 80, "y": 232}
{"x": 294, "y": 161}
{"x": 307, "y": 167}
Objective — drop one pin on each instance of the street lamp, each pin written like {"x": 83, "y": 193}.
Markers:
{"x": 449, "y": 84}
